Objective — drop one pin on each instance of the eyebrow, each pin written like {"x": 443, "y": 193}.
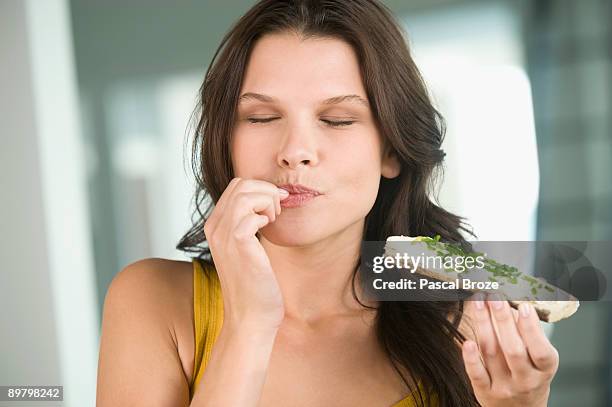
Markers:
{"x": 330, "y": 101}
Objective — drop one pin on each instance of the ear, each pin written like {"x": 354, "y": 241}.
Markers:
{"x": 390, "y": 165}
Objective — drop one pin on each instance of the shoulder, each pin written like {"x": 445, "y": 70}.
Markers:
{"x": 159, "y": 291}
{"x": 156, "y": 287}
{"x": 147, "y": 311}
{"x": 152, "y": 274}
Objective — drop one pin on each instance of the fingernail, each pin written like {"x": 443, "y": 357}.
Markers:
{"x": 478, "y": 302}
{"x": 496, "y": 301}
{"x": 524, "y": 308}
{"x": 283, "y": 191}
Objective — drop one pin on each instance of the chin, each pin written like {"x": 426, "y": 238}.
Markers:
{"x": 291, "y": 237}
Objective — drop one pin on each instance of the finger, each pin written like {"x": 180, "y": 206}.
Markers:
{"x": 227, "y": 193}
{"x": 542, "y": 353}
{"x": 242, "y": 231}
{"x": 277, "y": 198}
{"x": 245, "y": 235}
{"x": 253, "y": 202}
{"x": 213, "y": 218}
{"x": 515, "y": 314}
{"x": 257, "y": 185}
{"x": 468, "y": 319}
{"x": 510, "y": 340}
{"x": 249, "y": 225}
{"x": 238, "y": 185}
{"x": 487, "y": 339}
{"x": 474, "y": 367}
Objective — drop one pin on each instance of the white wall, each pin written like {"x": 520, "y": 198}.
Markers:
{"x": 48, "y": 321}
{"x": 471, "y": 58}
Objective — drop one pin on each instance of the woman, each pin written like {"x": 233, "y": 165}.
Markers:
{"x": 320, "y": 99}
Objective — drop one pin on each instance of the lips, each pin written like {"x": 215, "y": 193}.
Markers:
{"x": 298, "y": 195}
{"x": 299, "y": 189}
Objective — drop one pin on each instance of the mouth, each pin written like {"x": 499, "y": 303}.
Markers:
{"x": 299, "y": 195}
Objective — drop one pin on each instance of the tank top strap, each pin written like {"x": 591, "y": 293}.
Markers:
{"x": 208, "y": 316}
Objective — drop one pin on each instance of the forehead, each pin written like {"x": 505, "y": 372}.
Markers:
{"x": 284, "y": 64}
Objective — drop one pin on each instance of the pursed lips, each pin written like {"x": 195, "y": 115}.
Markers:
{"x": 298, "y": 195}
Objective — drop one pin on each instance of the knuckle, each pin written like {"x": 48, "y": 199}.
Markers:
{"x": 479, "y": 379}
{"x": 555, "y": 356}
{"x": 515, "y": 353}
{"x": 503, "y": 393}
{"x": 491, "y": 350}
{"x": 550, "y": 361}
{"x": 264, "y": 220}
{"x": 480, "y": 382}
{"x": 539, "y": 359}
{"x": 242, "y": 197}
{"x": 239, "y": 235}
{"x": 236, "y": 183}
{"x": 544, "y": 358}
{"x": 232, "y": 183}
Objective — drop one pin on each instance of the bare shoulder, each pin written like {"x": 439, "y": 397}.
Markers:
{"x": 159, "y": 288}
{"x": 154, "y": 274}
{"x": 165, "y": 287}
{"x": 147, "y": 335}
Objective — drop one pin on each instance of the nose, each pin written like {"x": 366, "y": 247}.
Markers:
{"x": 298, "y": 149}
{"x": 292, "y": 161}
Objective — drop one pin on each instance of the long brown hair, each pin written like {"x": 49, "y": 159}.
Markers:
{"x": 421, "y": 337}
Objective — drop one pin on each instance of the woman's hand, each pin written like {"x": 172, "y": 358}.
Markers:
{"x": 252, "y": 299}
{"x": 516, "y": 362}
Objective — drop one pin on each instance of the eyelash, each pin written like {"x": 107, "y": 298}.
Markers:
{"x": 329, "y": 122}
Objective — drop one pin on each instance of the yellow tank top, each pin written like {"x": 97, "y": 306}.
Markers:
{"x": 208, "y": 317}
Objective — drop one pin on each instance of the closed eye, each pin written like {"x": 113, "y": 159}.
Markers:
{"x": 328, "y": 122}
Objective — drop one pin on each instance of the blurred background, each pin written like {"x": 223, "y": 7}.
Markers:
{"x": 95, "y": 101}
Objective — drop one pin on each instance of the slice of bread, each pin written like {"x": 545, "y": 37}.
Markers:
{"x": 552, "y": 304}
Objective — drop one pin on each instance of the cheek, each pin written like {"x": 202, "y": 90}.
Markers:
{"x": 247, "y": 156}
{"x": 359, "y": 174}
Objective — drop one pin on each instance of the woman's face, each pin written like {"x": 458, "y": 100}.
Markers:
{"x": 301, "y": 142}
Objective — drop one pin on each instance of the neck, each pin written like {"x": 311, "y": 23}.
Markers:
{"x": 316, "y": 280}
